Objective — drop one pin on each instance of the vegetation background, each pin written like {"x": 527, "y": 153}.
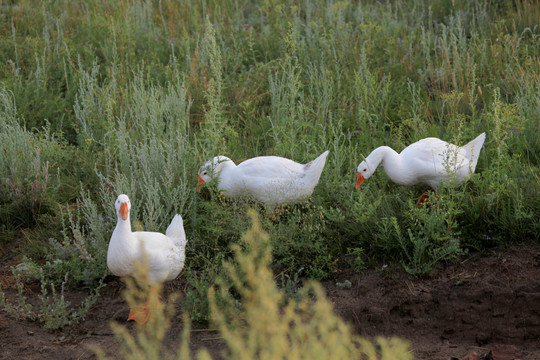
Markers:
{"x": 105, "y": 97}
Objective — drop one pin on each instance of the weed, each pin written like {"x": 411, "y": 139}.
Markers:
{"x": 55, "y": 312}
{"x": 291, "y": 286}
{"x": 431, "y": 235}
{"x": 147, "y": 342}
{"x": 26, "y": 193}
{"x": 356, "y": 259}
{"x": 298, "y": 242}
{"x": 195, "y": 300}
{"x": 256, "y": 324}
{"x": 22, "y": 310}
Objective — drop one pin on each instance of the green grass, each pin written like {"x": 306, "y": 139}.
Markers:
{"x": 106, "y": 97}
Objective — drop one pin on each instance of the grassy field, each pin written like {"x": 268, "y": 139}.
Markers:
{"x": 105, "y": 97}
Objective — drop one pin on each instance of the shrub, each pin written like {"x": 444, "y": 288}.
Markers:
{"x": 29, "y": 179}
{"x": 55, "y": 312}
{"x": 254, "y": 325}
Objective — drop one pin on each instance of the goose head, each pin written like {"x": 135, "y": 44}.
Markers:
{"x": 211, "y": 170}
{"x": 363, "y": 172}
{"x": 123, "y": 206}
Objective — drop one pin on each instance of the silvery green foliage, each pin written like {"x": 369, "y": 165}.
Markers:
{"x": 92, "y": 106}
{"x": 24, "y": 168}
{"x": 148, "y": 154}
{"x": 54, "y": 311}
{"x": 79, "y": 251}
{"x": 139, "y": 20}
{"x": 215, "y": 124}
{"x": 8, "y": 109}
{"x": 148, "y": 157}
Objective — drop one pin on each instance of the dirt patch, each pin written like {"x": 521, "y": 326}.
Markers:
{"x": 482, "y": 304}
{"x": 472, "y": 306}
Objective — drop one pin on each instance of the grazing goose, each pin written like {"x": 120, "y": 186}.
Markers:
{"x": 428, "y": 161}
{"x": 271, "y": 179}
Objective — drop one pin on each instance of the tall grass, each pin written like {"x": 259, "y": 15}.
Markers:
{"x": 103, "y": 97}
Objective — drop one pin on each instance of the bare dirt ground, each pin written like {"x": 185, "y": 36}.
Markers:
{"x": 488, "y": 304}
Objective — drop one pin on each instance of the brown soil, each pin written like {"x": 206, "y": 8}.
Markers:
{"x": 482, "y": 304}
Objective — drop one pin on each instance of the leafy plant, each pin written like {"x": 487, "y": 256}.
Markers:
{"x": 356, "y": 259}
{"x": 299, "y": 243}
{"x": 430, "y": 237}
{"x": 22, "y": 310}
{"x": 195, "y": 300}
{"x": 55, "y": 312}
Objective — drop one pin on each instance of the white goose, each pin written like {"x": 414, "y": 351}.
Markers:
{"x": 271, "y": 179}
{"x": 428, "y": 161}
{"x": 165, "y": 254}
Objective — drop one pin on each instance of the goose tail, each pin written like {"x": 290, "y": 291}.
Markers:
{"x": 176, "y": 232}
{"x": 473, "y": 150}
{"x": 314, "y": 168}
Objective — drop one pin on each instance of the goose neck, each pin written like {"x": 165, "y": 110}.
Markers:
{"x": 123, "y": 226}
{"x": 226, "y": 166}
{"x": 384, "y": 154}
{"x": 392, "y": 162}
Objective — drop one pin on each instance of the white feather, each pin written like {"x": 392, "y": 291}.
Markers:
{"x": 165, "y": 253}
{"x": 428, "y": 161}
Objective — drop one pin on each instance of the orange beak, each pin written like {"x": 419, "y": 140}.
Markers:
{"x": 199, "y": 182}
{"x": 359, "y": 180}
{"x": 124, "y": 211}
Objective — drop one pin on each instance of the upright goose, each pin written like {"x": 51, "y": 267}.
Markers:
{"x": 165, "y": 254}
{"x": 428, "y": 161}
{"x": 272, "y": 180}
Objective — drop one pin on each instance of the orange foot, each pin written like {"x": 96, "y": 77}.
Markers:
{"x": 424, "y": 198}
{"x": 139, "y": 313}
{"x": 471, "y": 356}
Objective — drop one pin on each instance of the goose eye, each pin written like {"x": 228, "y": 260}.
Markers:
{"x": 365, "y": 169}
{"x": 204, "y": 172}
